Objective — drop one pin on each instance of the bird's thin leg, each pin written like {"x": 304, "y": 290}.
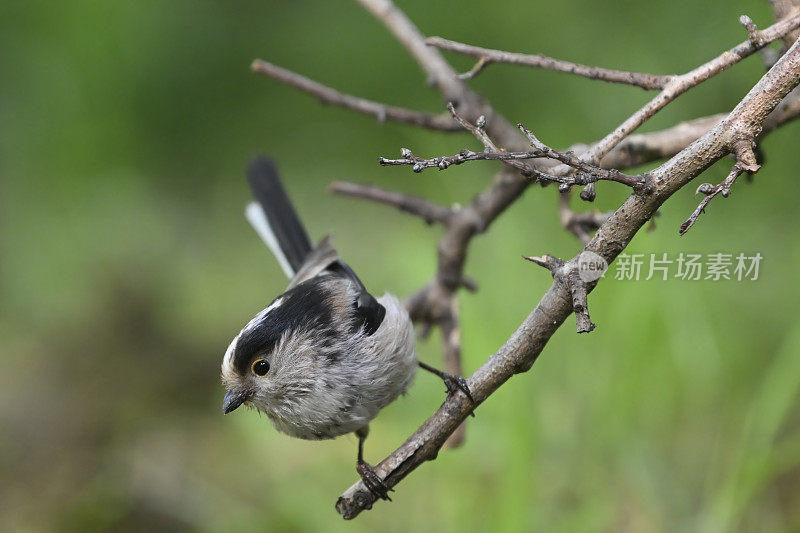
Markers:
{"x": 453, "y": 383}
{"x": 367, "y": 472}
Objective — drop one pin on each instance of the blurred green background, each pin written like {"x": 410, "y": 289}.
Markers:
{"x": 126, "y": 267}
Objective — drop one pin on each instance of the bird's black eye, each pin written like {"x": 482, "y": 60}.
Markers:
{"x": 261, "y": 367}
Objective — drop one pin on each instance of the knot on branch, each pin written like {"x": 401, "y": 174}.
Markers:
{"x": 745, "y": 151}
{"x": 567, "y": 275}
{"x": 646, "y": 185}
{"x": 588, "y": 194}
{"x": 754, "y": 35}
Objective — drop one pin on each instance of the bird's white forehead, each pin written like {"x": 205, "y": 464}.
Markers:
{"x": 261, "y": 315}
{"x": 227, "y": 361}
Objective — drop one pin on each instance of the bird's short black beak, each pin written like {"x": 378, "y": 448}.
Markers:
{"x": 233, "y": 400}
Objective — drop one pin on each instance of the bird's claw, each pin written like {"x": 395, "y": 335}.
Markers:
{"x": 372, "y": 481}
{"x": 456, "y": 383}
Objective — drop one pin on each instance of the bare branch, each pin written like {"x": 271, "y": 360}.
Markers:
{"x": 566, "y": 274}
{"x": 487, "y": 55}
{"x": 480, "y": 64}
{"x": 327, "y": 95}
{"x": 680, "y": 84}
{"x": 674, "y": 88}
{"x": 479, "y": 131}
{"x": 421, "y": 207}
{"x": 444, "y": 77}
{"x": 783, "y": 9}
{"x": 642, "y": 148}
{"x": 521, "y": 350}
{"x": 711, "y": 191}
{"x": 570, "y": 159}
{"x": 752, "y": 30}
{"x": 745, "y": 162}
{"x": 587, "y": 173}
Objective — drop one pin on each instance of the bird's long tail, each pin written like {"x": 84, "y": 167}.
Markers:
{"x": 274, "y": 218}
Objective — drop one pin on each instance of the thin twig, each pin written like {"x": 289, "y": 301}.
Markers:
{"x": 327, "y": 95}
{"x": 570, "y": 159}
{"x": 745, "y": 162}
{"x": 415, "y": 205}
{"x": 782, "y": 9}
{"x": 680, "y": 84}
{"x": 439, "y": 71}
{"x": 711, "y": 191}
{"x": 418, "y": 164}
{"x": 476, "y": 69}
{"x": 479, "y": 131}
{"x": 487, "y": 55}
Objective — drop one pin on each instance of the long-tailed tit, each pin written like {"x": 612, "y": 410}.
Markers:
{"x": 325, "y": 356}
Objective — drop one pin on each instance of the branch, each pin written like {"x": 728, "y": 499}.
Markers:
{"x": 486, "y": 56}
{"x": 566, "y": 274}
{"x": 783, "y": 9}
{"x": 480, "y": 64}
{"x": 587, "y": 173}
{"x": 479, "y": 131}
{"x": 421, "y": 207}
{"x": 745, "y": 162}
{"x": 674, "y": 88}
{"x": 681, "y": 84}
{"x": 327, "y": 95}
{"x": 437, "y": 304}
{"x": 755, "y": 36}
{"x": 594, "y": 172}
{"x": 439, "y": 71}
{"x": 521, "y": 350}
{"x": 643, "y": 148}
{"x": 634, "y": 151}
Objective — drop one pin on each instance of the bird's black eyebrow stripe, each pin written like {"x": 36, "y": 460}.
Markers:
{"x": 304, "y": 306}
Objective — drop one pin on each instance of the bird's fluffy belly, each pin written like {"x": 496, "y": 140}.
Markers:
{"x": 356, "y": 387}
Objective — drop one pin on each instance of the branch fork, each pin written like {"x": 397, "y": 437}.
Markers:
{"x": 746, "y": 161}
{"x": 580, "y": 171}
{"x": 754, "y": 35}
{"x": 566, "y": 274}
{"x": 587, "y": 173}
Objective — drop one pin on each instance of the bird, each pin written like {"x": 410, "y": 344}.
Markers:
{"x": 323, "y": 358}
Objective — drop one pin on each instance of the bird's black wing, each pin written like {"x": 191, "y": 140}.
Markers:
{"x": 369, "y": 313}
